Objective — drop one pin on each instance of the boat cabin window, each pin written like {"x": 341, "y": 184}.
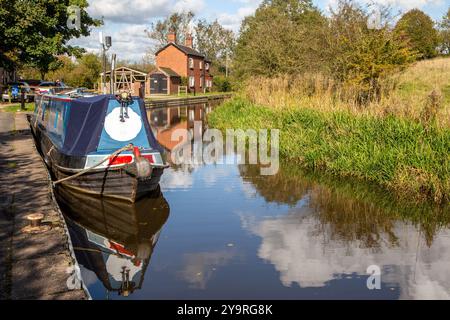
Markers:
{"x": 52, "y": 114}
{"x": 43, "y": 109}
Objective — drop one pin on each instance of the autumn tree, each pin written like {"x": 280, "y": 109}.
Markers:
{"x": 419, "y": 30}
{"x": 359, "y": 54}
{"x": 216, "y": 42}
{"x": 444, "y": 28}
{"x": 178, "y": 23}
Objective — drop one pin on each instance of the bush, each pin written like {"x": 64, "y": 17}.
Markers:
{"x": 222, "y": 84}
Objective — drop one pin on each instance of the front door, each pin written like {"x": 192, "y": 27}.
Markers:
{"x": 158, "y": 84}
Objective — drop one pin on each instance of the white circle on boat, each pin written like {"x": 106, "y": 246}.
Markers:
{"x": 123, "y": 131}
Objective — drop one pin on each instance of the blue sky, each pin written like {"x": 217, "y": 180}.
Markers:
{"x": 126, "y": 20}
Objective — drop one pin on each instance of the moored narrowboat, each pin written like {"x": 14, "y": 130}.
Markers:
{"x": 112, "y": 239}
{"x": 98, "y": 144}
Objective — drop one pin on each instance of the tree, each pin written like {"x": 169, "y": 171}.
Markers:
{"x": 444, "y": 28}
{"x": 216, "y": 42}
{"x": 360, "y": 56}
{"x": 419, "y": 30}
{"x": 35, "y": 32}
{"x": 179, "y": 23}
{"x": 283, "y": 37}
{"x": 84, "y": 72}
{"x": 87, "y": 71}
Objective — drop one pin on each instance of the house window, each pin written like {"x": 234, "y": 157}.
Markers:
{"x": 191, "y": 82}
{"x": 201, "y": 65}
{"x": 209, "y": 83}
{"x": 207, "y": 66}
{"x": 191, "y": 63}
{"x": 201, "y": 81}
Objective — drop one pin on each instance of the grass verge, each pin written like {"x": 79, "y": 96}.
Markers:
{"x": 16, "y": 107}
{"x": 403, "y": 155}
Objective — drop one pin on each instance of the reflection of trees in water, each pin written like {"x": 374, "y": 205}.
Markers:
{"x": 281, "y": 188}
{"x": 347, "y": 210}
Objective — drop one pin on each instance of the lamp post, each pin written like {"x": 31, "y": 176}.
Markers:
{"x": 106, "y": 43}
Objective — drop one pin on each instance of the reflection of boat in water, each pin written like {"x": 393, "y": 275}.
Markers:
{"x": 98, "y": 144}
{"x": 112, "y": 238}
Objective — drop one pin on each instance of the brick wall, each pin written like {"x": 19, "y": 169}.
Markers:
{"x": 178, "y": 61}
{"x": 197, "y": 74}
{"x": 174, "y": 84}
{"x": 174, "y": 59}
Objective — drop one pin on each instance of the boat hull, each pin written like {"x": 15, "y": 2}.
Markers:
{"x": 119, "y": 183}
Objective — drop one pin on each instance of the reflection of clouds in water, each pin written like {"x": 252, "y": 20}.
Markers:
{"x": 304, "y": 255}
{"x": 249, "y": 190}
{"x": 199, "y": 267}
{"x": 174, "y": 179}
{"x": 212, "y": 173}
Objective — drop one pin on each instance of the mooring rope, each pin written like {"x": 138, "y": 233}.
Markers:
{"x": 112, "y": 156}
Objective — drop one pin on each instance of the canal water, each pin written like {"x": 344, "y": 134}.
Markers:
{"x": 226, "y": 232}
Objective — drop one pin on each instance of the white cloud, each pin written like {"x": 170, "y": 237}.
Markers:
{"x": 126, "y": 21}
{"x": 139, "y": 11}
{"x": 233, "y": 21}
{"x": 310, "y": 258}
{"x": 176, "y": 179}
{"x": 403, "y": 5}
{"x": 128, "y": 41}
{"x": 200, "y": 267}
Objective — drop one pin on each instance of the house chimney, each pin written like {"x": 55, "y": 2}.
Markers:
{"x": 189, "y": 41}
{"x": 172, "y": 37}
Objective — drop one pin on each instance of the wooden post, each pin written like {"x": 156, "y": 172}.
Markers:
{"x": 22, "y": 98}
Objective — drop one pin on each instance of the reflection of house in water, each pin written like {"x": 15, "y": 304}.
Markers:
{"x": 165, "y": 121}
{"x": 112, "y": 239}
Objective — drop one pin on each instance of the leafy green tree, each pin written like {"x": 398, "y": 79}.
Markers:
{"x": 84, "y": 72}
{"x": 444, "y": 27}
{"x": 283, "y": 37}
{"x": 419, "y": 30}
{"x": 216, "y": 42}
{"x": 179, "y": 23}
{"x": 35, "y": 32}
{"x": 87, "y": 71}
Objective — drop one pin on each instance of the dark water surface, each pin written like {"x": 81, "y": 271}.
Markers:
{"x": 225, "y": 232}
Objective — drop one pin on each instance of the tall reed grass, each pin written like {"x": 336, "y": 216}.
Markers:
{"x": 406, "y": 94}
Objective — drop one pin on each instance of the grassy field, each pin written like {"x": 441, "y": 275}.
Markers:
{"x": 405, "y": 152}
{"x": 16, "y": 107}
{"x": 406, "y": 94}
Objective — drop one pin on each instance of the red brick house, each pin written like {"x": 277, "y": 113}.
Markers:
{"x": 175, "y": 61}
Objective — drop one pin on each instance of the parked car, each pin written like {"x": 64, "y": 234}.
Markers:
{"x": 13, "y": 92}
{"x": 34, "y": 84}
{"x": 47, "y": 86}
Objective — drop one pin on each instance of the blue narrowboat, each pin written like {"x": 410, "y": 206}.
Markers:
{"x": 98, "y": 144}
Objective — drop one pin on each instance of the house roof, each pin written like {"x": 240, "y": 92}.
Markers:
{"x": 166, "y": 71}
{"x": 186, "y": 50}
{"x": 169, "y": 72}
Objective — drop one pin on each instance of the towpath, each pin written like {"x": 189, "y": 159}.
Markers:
{"x": 32, "y": 266}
